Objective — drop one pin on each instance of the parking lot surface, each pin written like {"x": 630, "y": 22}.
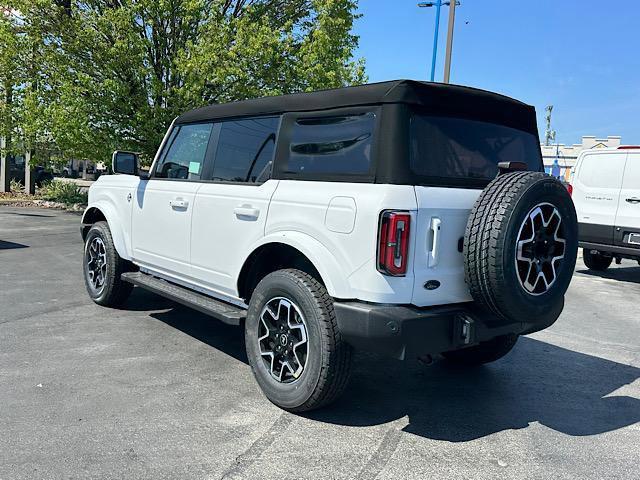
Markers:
{"x": 160, "y": 391}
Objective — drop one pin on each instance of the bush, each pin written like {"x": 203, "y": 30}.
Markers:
{"x": 16, "y": 186}
{"x": 63, "y": 192}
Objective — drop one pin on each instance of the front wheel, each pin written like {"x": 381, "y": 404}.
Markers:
{"x": 485, "y": 352}
{"x": 102, "y": 267}
{"x": 293, "y": 344}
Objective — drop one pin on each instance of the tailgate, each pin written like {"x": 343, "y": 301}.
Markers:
{"x": 438, "y": 262}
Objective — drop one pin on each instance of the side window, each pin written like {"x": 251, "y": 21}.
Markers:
{"x": 332, "y": 145}
{"x": 184, "y": 157}
{"x": 245, "y": 150}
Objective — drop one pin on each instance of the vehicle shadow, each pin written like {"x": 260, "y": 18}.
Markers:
{"x": 567, "y": 391}
{"x": 622, "y": 274}
{"x": 7, "y": 245}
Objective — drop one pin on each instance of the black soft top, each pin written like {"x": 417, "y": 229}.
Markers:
{"x": 432, "y": 98}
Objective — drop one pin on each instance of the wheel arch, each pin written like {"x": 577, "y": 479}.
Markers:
{"x": 292, "y": 250}
{"x": 102, "y": 212}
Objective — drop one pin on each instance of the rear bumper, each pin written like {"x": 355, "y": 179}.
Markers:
{"x": 404, "y": 332}
{"x": 615, "y": 249}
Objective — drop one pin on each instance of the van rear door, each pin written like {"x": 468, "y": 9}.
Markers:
{"x": 455, "y": 159}
{"x": 596, "y": 194}
{"x": 627, "y": 225}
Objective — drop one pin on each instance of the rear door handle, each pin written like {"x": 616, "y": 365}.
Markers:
{"x": 179, "y": 204}
{"x": 435, "y": 245}
{"x": 246, "y": 212}
{"x": 633, "y": 200}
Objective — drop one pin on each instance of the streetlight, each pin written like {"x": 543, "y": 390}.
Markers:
{"x": 452, "y": 15}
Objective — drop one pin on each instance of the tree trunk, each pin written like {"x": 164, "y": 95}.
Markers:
{"x": 5, "y": 174}
{"x": 29, "y": 177}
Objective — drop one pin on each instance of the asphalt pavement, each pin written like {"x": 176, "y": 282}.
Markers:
{"x": 157, "y": 391}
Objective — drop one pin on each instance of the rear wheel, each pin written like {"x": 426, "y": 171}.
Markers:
{"x": 102, "y": 267}
{"x": 595, "y": 260}
{"x": 293, "y": 344}
{"x": 485, "y": 352}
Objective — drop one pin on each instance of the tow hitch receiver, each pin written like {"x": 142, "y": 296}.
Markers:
{"x": 463, "y": 329}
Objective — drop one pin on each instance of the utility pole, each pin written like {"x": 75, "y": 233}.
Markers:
{"x": 438, "y": 4}
{"x": 447, "y": 57}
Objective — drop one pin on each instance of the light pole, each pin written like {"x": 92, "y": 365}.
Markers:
{"x": 438, "y": 4}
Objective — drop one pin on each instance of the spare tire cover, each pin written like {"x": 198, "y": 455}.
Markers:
{"x": 520, "y": 247}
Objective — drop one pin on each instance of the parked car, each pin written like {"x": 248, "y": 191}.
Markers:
{"x": 606, "y": 192}
{"x": 40, "y": 173}
{"x": 403, "y": 217}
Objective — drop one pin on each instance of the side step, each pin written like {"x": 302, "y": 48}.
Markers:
{"x": 223, "y": 311}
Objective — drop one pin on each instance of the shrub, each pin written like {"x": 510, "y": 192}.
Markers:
{"x": 63, "y": 192}
{"x": 16, "y": 186}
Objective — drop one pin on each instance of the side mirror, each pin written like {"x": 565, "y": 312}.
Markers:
{"x": 125, "y": 163}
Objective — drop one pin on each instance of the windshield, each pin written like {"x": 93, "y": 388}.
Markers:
{"x": 456, "y": 148}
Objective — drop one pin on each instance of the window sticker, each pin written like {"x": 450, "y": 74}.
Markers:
{"x": 194, "y": 168}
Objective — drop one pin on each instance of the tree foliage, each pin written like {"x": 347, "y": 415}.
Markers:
{"x": 103, "y": 74}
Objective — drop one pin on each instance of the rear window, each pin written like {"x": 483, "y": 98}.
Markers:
{"x": 332, "y": 145}
{"x": 456, "y": 148}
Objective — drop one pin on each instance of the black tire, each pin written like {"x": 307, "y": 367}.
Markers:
{"x": 327, "y": 364}
{"x": 596, "y": 261}
{"x": 485, "y": 352}
{"x": 506, "y": 209}
{"x": 113, "y": 292}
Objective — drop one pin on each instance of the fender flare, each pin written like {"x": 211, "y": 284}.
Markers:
{"x": 117, "y": 232}
{"x": 328, "y": 266}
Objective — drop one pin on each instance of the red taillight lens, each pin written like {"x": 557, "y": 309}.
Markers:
{"x": 393, "y": 243}
{"x": 570, "y": 189}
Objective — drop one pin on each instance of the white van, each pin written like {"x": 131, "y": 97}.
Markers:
{"x": 606, "y": 193}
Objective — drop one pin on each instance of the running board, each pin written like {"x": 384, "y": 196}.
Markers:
{"x": 225, "y": 312}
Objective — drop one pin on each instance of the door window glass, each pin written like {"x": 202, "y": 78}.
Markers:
{"x": 245, "y": 150}
{"x": 332, "y": 145}
{"x": 185, "y": 156}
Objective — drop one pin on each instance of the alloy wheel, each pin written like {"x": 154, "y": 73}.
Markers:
{"x": 540, "y": 249}
{"x": 283, "y": 340}
{"x": 96, "y": 258}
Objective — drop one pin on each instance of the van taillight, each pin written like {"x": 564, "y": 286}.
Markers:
{"x": 393, "y": 243}
{"x": 570, "y": 189}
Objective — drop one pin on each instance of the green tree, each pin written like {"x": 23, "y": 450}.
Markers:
{"x": 27, "y": 41}
{"x": 125, "y": 69}
{"x": 9, "y": 78}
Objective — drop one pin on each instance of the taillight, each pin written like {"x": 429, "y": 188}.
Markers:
{"x": 393, "y": 243}
{"x": 570, "y": 188}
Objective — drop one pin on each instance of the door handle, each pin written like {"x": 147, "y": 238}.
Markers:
{"x": 633, "y": 200}
{"x": 179, "y": 203}
{"x": 247, "y": 212}
{"x": 435, "y": 241}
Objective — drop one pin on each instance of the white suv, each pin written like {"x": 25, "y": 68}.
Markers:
{"x": 606, "y": 192}
{"x": 406, "y": 218}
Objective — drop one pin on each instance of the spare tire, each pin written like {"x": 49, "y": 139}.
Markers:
{"x": 520, "y": 247}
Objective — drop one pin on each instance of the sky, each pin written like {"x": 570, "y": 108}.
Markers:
{"x": 582, "y": 57}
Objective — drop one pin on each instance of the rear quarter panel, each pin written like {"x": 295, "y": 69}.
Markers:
{"x": 343, "y": 218}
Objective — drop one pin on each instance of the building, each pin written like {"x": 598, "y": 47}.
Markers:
{"x": 560, "y": 159}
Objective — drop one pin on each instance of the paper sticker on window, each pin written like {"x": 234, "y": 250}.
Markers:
{"x": 194, "y": 167}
